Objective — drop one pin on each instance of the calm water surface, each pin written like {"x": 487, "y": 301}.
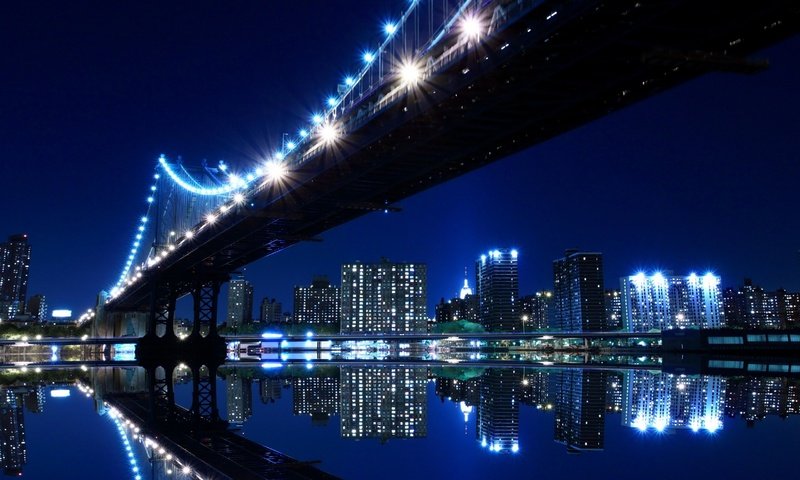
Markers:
{"x": 376, "y": 420}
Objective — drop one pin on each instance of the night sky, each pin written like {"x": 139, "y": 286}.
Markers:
{"x": 701, "y": 177}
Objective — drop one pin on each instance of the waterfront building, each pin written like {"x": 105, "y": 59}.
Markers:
{"x": 384, "y": 403}
{"x": 15, "y": 260}
{"x": 385, "y": 297}
{"x": 240, "y": 303}
{"x": 13, "y": 449}
{"x": 536, "y": 389}
{"x": 318, "y": 304}
{"x": 37, "y": 307}
{"x": 317, "y": 397}
{"x": 579, "y": 304}
{"x": 664, "y": 302}
{"x": 271, "y": 311}
{"x": 580, "y": 409}
{"x": 613, "y": 302}
{"x": 498, "y": 410}
{"x": 269, "y": 390}
{"x": 750, "y": 306}
{"x": 498, "y": 290}
{"x": 755, "y": 398}
{"x": 536, "y": 310}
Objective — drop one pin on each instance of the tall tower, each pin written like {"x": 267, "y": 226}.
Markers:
{"x": 240, "y": 303}
{"x": 498, "y": 290}
{"x": 15, "y": 260}
{"x": 578, "y": 292}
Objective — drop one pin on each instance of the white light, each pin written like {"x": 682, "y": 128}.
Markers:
{"x": 349, "y": 81}
{"x": 409, "y": 73}
{"x": 331, "y": 101}
{"x": 390, "y": 28}
{"x": 186, "y": 470}
{"x": 290, "y": 145}
{"x": 150, "y": 199}
{"x": 238, "y": 198}
{"x": 368, "y": 57}
{"x": 303, "y": 133}
{"x": 59, "y": 393}
{"x": 211, "y": 218}
{"x": 514, "y": 254}
{"x": 275, "y": 170}
{"x": 189, "y": 234}
{"x": 328, "y": 133}
{"x": 316, "y": 119}
{"x": 144, "y": 219}
{"x": 471, "y": 27}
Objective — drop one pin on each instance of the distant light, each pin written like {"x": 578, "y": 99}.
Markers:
{"x": 61, "y": 313}
{"x": 390, "y": 28}
{"x": 515, "y": 448}
{"x": 368, "y": 57}
{"x": 222, "y": 166}
{"x": 316, "y": 119}
{"x": 290, "y": 145}
{"x": 269, "y": 365}
{"x": 280, "y": 155}
{"x": 59, "y": 393}
{"x": 349, "y": 81}
{"x": 144, "y": 219}
{"x": 514, "y": 253}
{"x": 309, "y": 334}
{"x": 150, "y": 199}
{"x": 271, "y": 335}
{"x": 303, "y": 133}
{"x": 331, "y": 101}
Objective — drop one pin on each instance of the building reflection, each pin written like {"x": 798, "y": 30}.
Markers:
{"x": 580, "y": 401}
{"x": 498, "y": 410}
{"x": 383, "y": 403}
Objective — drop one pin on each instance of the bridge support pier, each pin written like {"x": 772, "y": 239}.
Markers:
{"x": 204, "y": 393}
{"x": 206, "y": 301}
{"x": 161, "y": 321}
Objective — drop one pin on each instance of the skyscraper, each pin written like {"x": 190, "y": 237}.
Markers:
{"x": 319, "y": 304}
{"x": 240, "y": 397}
{"x": 750, "y": 306}
{"x": 37, "y": 307}
{"x": 498, "y": 410}
{"x": 613, "y": 301}
{"x": 384, "y": 297}
{"x": 663, "y": 302}
{"x": 240, "y": 303}
{"x": 13, "y": 450}
{"x": 15, "y": 260}
{"x": 498, "y": 290}
{"x": 580, "y": 409}
{"x": 578, "y": 292}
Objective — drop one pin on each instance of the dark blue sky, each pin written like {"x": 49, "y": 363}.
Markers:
{"x": 701, "y": 177}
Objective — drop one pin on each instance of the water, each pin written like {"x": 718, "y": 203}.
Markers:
{"x": 370, "y": 420}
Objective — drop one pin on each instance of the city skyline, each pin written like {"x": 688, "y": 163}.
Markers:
{"x": 610, "y": 163}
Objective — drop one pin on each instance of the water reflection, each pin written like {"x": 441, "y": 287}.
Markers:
{"x": 385, "y": 404}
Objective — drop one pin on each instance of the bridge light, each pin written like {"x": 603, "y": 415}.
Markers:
{"x": 368, "y": 57}
{"x": 328, "y": 133}
{"x": 316, "y": 119}
{"x": 349, "y": 81}
{"x": 331, "y": 101}
{"x": 303, "y": 133}
{"x": 186, "y": 470}
{"x": 409, "y": 74}
{"x": 144, "y": 219}
{"x": 150, "y": 199}
{"x": 290, "y": 145}
{"x": 153, "y": 188}
{"x": 238, "y": 198}
{"x": 471, "y": 27}
{"x": 188, "y": 234}
{"x": 211, "y": 218}
{"x": 389, "y": 28}
{"x": 275, "y": 169}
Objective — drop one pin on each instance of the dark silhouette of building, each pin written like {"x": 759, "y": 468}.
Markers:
{"x": 315, "y": 396}
{"x": 536, "y": 310}
{"x": 271, "y": 311}
{"x": 613, "y": 302}
{"x": 240, "y": 397}
{"x": 578, "y": 292}
{"x": 750, "y": 306}
{"x": 240, "y": 303}
{"x": 580, "y": 409}
{"x": 37, "y": 308}
{"x": 498, "y": 290}
{"x": 269, "y": 390}
{"x": 498, "y": 410}
{"x": 13, "y": 450}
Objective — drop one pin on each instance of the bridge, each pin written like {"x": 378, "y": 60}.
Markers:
{"x": 453, "y": 86}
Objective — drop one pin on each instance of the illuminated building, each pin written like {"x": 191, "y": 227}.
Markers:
{"x": 271, "y": 311}
{"x": 535, "y": 389}
{"x": 15, "y": 260}
{"x": 661, "y": 302}
{"x": 498, "y": 410}
{"x": 578, "y": 292}
{"x": 240, "y": 397}
{"x": 536, "y": 311}
{"x": 613, "y": 301}
{"x": 384, "y": 297}
{"x": 755, "y": 398}
{"x": 37, "y": 307}
{"x": 240, "y": 303}
{"x": 498, "y": 290}
{"x": 384, "y": 403}
{"x": 318, "y": 304}
{"x": 750, "y": 306}
{"x": 315, "y": 396}
{"x": 662, "y": 401}
{"x": 463, "y": 307}
{"x": 580, "y": 409}
{"x": 615, "y": 388}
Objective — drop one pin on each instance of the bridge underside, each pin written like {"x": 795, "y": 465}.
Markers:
{"x": 539, "y": 77}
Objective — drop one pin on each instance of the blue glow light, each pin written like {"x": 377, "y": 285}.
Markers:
{"x": 144, "y": 219}
{"x": 389, "y": 28}
{"x": 368, "y": 57}
{"x": 271, "y": 335}
{"x": 150, "y": 199}
{"x": 349, "y": 81}
{"x": 271, "y": 365}
{"x": 316, "y": 119}
{"x": 290, "y": 145}
{"x": 514, "y": 253}
{"x": 331, "y": 101}
{"x": 221, "y": 190}
{"x": 309, "y": 334}
{"x": 303, "y": 133}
